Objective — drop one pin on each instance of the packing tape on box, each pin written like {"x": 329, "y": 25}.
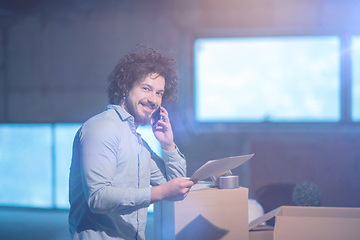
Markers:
{"x": 228, "y": 182}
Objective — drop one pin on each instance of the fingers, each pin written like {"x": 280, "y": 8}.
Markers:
{"x": 164, "y": 122}
{"x": 164, "y": 114}
{"x": 185, "y": 191}
{"x": 185, "y": 185}
{"x": 185, "y": 194}
{"x": 178, "y": 189}
{"x": 188, "y": 183}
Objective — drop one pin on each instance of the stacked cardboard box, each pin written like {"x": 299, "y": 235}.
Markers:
{"x": 208, "y": 213}
{"x": 318, "y": 223}
{"x": 212, "y": 214}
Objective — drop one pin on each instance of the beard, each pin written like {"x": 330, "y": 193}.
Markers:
{"x": 132, "y": 108}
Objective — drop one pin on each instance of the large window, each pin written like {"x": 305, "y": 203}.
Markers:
{"x": 35, "y": 161}
{"x": 26, "y": 165}
{"x": 355, "y": 78}
{"x": 278, "y": 79}
{"x": 63, "y": 140}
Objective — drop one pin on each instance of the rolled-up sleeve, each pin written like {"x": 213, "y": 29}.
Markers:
{"x": 172, "y": 165}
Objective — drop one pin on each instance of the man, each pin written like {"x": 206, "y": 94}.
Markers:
{"x": 112, "y": 167}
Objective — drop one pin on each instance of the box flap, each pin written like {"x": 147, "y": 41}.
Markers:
{"x": 264, "y": 218}
{"x": 327, "y": 212}
{"x": 312, "y": 212}
{"x": 319, "y": 228}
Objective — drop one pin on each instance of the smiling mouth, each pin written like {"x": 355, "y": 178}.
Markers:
{"x": 148, "y": 108}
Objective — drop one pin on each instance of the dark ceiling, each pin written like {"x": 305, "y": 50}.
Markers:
{"x": 18, "y": 5}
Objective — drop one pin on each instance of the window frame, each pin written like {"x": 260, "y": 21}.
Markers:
{"x": 187, "y": 89}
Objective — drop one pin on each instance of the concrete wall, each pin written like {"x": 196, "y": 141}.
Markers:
{"x": 59, "y": 56}
{"x": 55, "y": 59}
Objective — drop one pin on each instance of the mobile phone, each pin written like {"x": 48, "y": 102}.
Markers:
{"x": 156, "y": 116}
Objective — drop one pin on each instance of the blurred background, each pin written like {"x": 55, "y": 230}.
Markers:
{"x": 277, "y": 78}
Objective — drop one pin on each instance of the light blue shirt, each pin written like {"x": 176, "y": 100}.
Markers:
{"x": 111, "y": 172}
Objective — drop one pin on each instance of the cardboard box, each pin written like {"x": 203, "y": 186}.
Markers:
{"x": 265, "y": 232}
{"x": 320, "y": 223}
{"x": 208, "y": 213}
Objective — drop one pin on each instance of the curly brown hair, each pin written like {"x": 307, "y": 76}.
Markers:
{"x": 137, "y": 65}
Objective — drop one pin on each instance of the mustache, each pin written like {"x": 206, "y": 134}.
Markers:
{"x": 149, "y": 105}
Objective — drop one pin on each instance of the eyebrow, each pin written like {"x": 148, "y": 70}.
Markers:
{"x": 149, "y": 86}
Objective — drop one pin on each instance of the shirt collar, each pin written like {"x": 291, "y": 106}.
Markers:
{"x": 123, "y": 114}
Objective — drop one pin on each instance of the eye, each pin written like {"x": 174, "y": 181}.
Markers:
{"x": 160, "y": 94}
{"x": 146, "y": 89}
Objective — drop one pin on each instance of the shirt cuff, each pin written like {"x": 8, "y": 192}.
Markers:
{"x": 173, "y": 155}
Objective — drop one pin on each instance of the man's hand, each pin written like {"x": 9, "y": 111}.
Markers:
{"x": 174, "y": 190}
{"x": 163, "y": 132}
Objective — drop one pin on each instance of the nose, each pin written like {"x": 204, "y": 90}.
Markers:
{"x": 154, "y": 100}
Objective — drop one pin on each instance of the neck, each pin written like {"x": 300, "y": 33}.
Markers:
{"x": 124, "y": 107}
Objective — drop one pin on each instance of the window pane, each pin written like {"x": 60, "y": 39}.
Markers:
{"x": 64, "y": 137}
{"x": 267, "y": 79}
{"x": 148, "y": 135}
{"x": 356, "y": 78}
{"x": 25, "y": 165}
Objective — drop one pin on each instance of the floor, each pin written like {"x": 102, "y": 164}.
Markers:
{"x": 41, "y": 224}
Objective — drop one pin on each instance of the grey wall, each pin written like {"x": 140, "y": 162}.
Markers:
{"x": 55, "y": 58}
{"x": 58, "y": 56}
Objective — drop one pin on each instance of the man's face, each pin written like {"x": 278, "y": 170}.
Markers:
{"x": 144, "y": 98}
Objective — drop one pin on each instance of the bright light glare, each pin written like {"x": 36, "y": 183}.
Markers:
{"x": 355, "y": 51}
{"x": 64, "y": 137}
{"x": 277, "y": 79}
{"x": 148, "y": 135}
{"x": 26, "y": 165}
